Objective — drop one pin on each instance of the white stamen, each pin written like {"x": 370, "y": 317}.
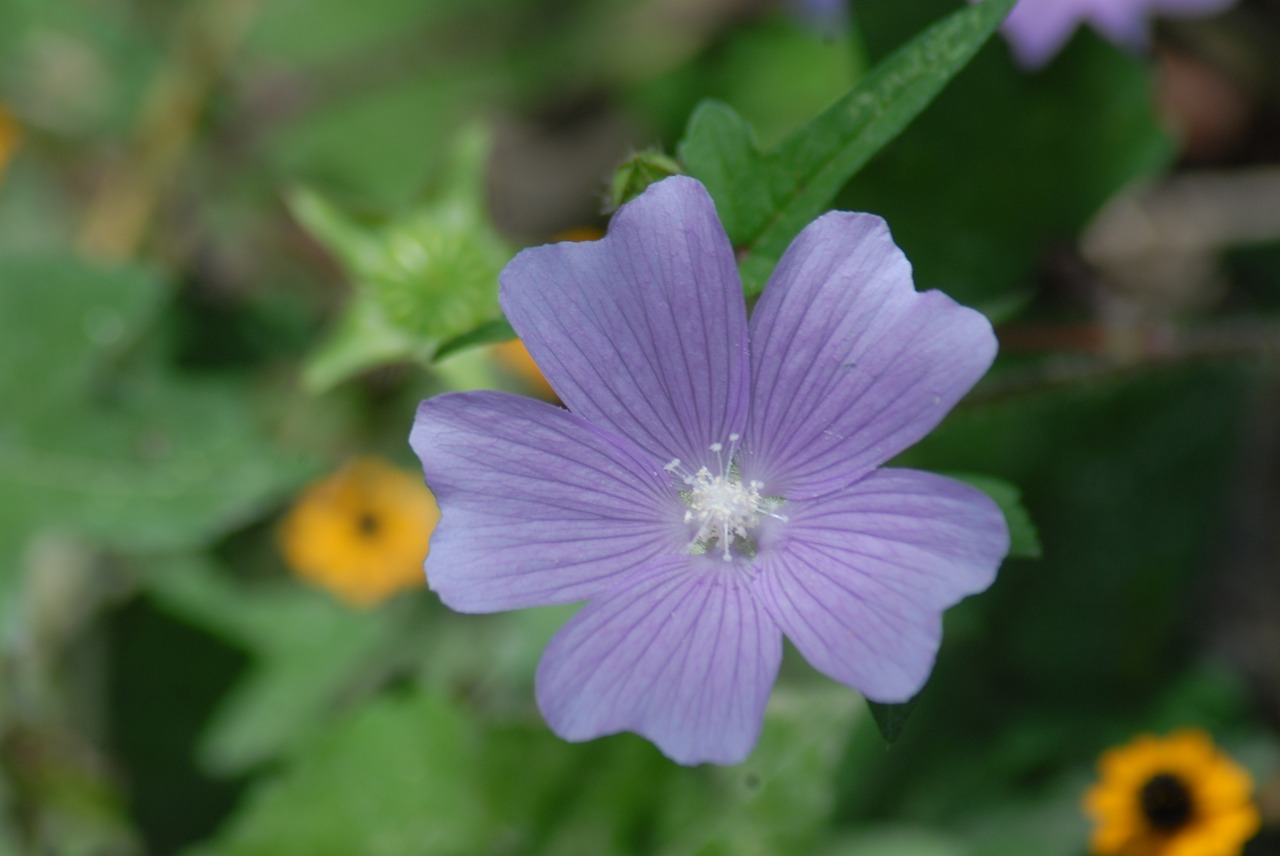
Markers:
{"x": 724, "y": 508}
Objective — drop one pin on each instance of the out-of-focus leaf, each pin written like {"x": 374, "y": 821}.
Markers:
{"x": 118, "y": 450}
{"x": 1130, "y": 480}
{"x": 765, "y": 200}
{"x": 895, "y": 842}
{"x": 421, "y": 279}
{"x": 398, "y": 777}
{"x": 1084, "y": 127}
{"x": 308, "y": 650}
{"x": 778, "y": 800}
{"x": 363, "y": 339}
{"x": 1024, "y": 541}
{"x": 488, "y": 333}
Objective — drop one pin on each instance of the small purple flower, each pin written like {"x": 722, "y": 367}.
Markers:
{"x": 1037, "y": 29}
{"x": 826, "y": 17}
{"x": 715, "y": 483}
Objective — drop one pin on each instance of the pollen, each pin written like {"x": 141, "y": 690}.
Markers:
{"x": 725, "y": 509}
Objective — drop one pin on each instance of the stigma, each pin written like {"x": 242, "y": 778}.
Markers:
{"x": 724, "y": 508}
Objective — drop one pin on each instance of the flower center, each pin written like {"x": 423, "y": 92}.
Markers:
{"x": 367, "y": 524}
{"x": 725, "y": 509}
{"x": 1166, "y": 802}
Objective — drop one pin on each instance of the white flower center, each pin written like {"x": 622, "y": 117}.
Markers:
{"x": 725, "y": 509}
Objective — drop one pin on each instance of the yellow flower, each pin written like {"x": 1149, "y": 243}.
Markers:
{"x": 10, "y": 135}
{"x": 362, "y": 532}
{"x": 514, "y": 357}
{"x": 1172, "y": 796}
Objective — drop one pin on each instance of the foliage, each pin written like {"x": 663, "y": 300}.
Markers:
{"x": 240, "y": 240}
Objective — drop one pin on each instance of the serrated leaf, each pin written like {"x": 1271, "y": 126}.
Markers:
{"x": 765, "y": 200}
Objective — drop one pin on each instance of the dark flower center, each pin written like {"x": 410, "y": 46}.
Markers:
{"x": 368, "y": 524}
{"x": 1166, "y": 802}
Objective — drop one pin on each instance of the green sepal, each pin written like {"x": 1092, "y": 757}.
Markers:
{"x": 638, "y": 172}
{"x": 422, "y": 278}
{"x": 891, "y": 719}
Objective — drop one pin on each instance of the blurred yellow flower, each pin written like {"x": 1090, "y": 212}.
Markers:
{"x": 362, "y": 532}
{"x": 579, "y": 233}
{"x": 1172, "y": 796}
{"x": 10, "y": 135}
{"x": 514, "y": 357}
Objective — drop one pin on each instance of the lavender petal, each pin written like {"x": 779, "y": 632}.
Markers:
{"x": 643, "y": 332}
{"x": 858, "y": 579}
{"x": 538, "y": 505}
{"x": 686, "y": 657}
{"x": 850, "y": 365}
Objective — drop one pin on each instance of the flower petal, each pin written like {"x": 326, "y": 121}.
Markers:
{"x": 1038, "y": 29}
{"x": 1128, "y": 26}
{"x": 686, "y": 658}
{"x": 538, "y": 506}
{"x": 849, "y": 364}
{"x": 858, "y": 580}
{"x": 645, "y": 331}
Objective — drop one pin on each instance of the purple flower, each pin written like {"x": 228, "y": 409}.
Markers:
{"x": 1037, "y": 29}
{"x": 826, "y": 17}
{"x": 714, "y": 483}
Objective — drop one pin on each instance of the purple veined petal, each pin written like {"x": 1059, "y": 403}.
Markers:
{"x": 851, "y": 365}
{"x": 1037, "y": 29}
{"x": 643, "y": 332}
{"x": 686, "y": 657}
{"x": 858, "y": 580}
{"x": 538, "y": 506}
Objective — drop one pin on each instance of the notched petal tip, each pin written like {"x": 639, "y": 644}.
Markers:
{"x": 643, "y": 332}
{"x": 684, "y": 659}
{"x": 863, "y": 577}
{"x": 850, "y": 364}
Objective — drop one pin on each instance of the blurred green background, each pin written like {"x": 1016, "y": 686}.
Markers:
{"x": 205, "y": 207}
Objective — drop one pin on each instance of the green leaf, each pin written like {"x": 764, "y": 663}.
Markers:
{"x": 101, "y": 440}
{"x": 423, "y": 278}
{"x": 309, "y": 650}
{"x": 397, "y": 777}
{"x": 489, "y": 333}
{"x": 895, "y": 841}
{"x": 777, "y": 801}
{"x": 891, "y": 718}
{"x": 976, "y": 217}
{"x": 1024, "y": 540}
{"x": 362, "y": 340}
{"x": 765, "y": 200}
